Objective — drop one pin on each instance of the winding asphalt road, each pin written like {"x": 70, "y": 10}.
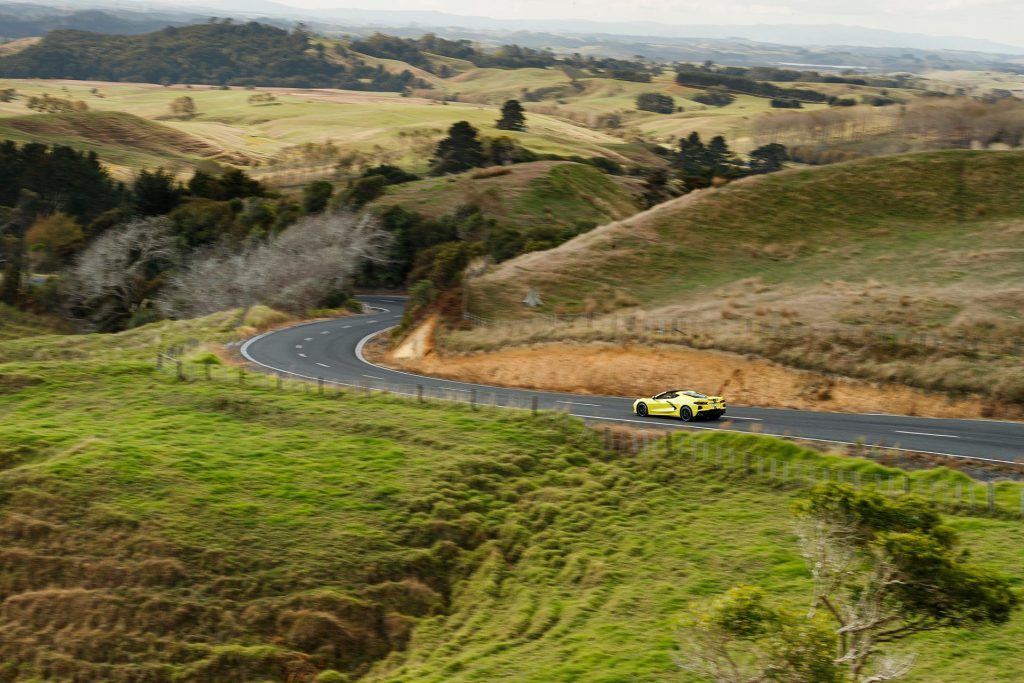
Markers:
{"x": 331, "y": 350}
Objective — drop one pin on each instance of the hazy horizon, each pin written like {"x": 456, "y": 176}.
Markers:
{"x": 995, "y": 20}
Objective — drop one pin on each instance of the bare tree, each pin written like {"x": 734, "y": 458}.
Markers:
{"x": 293, "y": 271}
{"x": 112, "y": 277}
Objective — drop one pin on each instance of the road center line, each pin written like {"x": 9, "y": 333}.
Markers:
{"x": 303, "y": 355}
{"x": 736, "y": 417}
{"x": 574, "y": 403}
{"x": 944, "y": 436}
{"x": 308, "y": 339}
{"x": 326, "y": 332}
{"x": 298, "y": 346}
{"x": 345, "y": 327}
{"x": 323, "y": 365}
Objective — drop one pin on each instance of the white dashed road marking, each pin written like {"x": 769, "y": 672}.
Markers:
{"x": 323, "y": 366}
{"x": 944, "y": 436}
{"x": 734, "y": 417}
{"x": 573, "y": 403}
{"x": 298, "y": 346}
{"x": 309, "y": 339}
{"x": 303, "y": 355}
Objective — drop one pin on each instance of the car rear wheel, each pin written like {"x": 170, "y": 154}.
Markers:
{"x": 641, "y": 410}
{"x": 685, "y": 414}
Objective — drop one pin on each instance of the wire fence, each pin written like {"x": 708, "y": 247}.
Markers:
{"x": 685, "y": 330}
{"x": 959, "y": 495}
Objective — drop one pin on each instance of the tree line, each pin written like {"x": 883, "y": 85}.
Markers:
{"x": 218, "y": 53}
{"x": 417, "y": 51}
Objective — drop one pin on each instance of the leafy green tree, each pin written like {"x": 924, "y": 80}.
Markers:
{"x": 316, "y": 195}
{"x": 458, "y": 152}
{"x": 656, "y": 102}
{"x": 53, "y": 239}
{"x": 155, "y": 193}
{"x": 362, "y": 191}
{"x": 513, "y": 116}
{"x": 200, "y": 222}
{"x": 884, "y": 569}
{"x": 184, "y": 107}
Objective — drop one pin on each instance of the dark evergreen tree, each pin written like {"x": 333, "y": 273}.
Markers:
{"x": 768, "y": 158}
{"x": 513, "y": 116}
{"x": 458, "y": 152}
{"x": 155, "y": 193}
{"x": 655, "y": 102}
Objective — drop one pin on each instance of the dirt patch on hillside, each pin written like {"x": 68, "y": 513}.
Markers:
{"x": 633, "y": 370}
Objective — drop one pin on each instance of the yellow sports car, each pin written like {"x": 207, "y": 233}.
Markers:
{"x": 681, "y": 403}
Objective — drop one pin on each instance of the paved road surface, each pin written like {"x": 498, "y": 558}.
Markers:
{"x": 331, "y": 350}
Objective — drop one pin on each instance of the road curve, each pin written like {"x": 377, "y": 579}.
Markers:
{"x": 332, "y": 350}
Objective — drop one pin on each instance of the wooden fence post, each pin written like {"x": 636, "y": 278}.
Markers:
{"x": 991, "y": 497}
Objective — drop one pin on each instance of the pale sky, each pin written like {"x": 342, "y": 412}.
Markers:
{"x": 999, "y": 20}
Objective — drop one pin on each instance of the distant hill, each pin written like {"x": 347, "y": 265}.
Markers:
{"x": 25, "y": 20}
{"x": 218, "y": 53}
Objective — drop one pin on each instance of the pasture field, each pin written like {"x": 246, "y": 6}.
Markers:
{"x": 219, "y": 532}
{"x": 379, "y": 125}
{"x": 548, "y": 193}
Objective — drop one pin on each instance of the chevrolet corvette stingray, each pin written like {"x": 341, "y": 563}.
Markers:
{"x": 681, "y": 403}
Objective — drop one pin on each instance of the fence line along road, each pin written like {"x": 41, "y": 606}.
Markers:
{"x": 1002, "y": 499}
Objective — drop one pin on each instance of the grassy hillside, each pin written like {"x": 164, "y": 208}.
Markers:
{"x": 169, "y": 530}
{"x": 119, "y": 138}
{"x": 918, "y": 244}
{"x": 287, "y": 136}
{"x": 549, "y": 193}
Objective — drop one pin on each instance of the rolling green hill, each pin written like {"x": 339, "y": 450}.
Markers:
{"x": 119, "y": 138}
{"x": 549, "y": 194}
{"x": 927, "y": 244}
{"x": 211, "y": 531}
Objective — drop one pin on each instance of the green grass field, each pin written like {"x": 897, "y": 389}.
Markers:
{"x": 206, "y": 531}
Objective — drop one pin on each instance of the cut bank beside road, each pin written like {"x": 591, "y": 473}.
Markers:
{"x": 641, "y": 370}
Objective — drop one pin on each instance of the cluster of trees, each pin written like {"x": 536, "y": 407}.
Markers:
{"x": 656, "y": 102}
{"x": 883, "y": 570}
{"x": 695, "y": 77}
{"x": 463, "y": 149}
{"x": 715, "y": 96}
{"x": 48, "y": 104}
{"x": 61, "y": 213}
{"x": 218, "y": 53}
{"x": 695, "y": 165}
{"x": 417, "y": 51}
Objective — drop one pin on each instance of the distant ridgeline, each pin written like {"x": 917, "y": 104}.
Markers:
{"x": 219, "y": 53}
{"x": 417, "y": 51}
